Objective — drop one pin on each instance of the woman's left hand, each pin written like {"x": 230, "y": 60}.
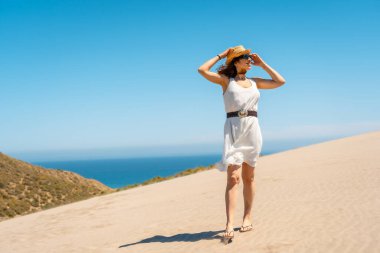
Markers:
{"x": 257, "y": 61}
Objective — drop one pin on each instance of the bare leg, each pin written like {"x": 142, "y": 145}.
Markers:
{"x": 248, "y": 176}
{"x": 233, "y": 179}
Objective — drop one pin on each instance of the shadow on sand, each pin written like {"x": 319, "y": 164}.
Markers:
{"x": 185, "y": 237}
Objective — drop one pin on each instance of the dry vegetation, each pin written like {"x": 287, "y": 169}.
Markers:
{"x": 159, "y": 179}
{"x": 26, "y": 188}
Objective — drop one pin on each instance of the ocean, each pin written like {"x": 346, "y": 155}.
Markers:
{"x": 117, "y": 173}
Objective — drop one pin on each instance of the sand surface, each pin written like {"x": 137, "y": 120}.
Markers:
{"x": 319, "y": 198}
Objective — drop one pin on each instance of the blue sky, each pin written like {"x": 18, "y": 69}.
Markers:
{"x": 84, "y": 79}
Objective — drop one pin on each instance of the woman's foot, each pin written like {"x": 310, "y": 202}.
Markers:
{"x": 229, "y": 232}
{"x": 247, "y": 226}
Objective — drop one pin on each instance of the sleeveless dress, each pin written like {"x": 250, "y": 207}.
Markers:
{"x": 242, "y": 136}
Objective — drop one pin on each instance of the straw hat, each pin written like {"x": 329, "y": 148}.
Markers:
{"x": 236, "y": 52}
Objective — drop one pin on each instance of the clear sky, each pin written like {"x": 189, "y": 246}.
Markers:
{"x": 119, "y": 78}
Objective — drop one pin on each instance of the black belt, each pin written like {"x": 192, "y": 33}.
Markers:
{"x": 241, "y": 113}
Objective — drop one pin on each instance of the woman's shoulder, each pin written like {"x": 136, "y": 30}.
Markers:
{"x": 226, "y": 79}
{"x": 253, "y": 79}
{"x": 225, "y": 83}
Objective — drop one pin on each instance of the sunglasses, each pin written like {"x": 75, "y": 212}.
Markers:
{"x": 246, "y": 56}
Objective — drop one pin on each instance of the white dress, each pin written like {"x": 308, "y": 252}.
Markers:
{"x": 242, "y": 136}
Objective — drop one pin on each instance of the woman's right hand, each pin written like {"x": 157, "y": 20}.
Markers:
{"x": 224, "y": 54}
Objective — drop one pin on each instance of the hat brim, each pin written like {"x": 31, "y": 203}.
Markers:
{"x": 247, "y": 51}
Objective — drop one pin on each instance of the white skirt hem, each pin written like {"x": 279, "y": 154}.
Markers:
{"x": 234, "y": 159}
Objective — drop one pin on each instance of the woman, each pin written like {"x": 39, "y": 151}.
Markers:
{"x": 242, "y": 134}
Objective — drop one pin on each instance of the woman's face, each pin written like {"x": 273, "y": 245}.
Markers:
{"x": 243, "y": 64}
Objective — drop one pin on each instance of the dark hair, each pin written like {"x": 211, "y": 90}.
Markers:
{"x": 229, "y": 69}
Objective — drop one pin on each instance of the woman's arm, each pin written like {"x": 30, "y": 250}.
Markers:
{"x": 204, "y": 70}
{"x": 277, "y": 79}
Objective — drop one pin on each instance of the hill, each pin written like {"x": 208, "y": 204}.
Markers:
{"x": 26, "y": 188}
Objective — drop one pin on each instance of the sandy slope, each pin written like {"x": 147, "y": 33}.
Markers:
{"x": 320, "y": 198}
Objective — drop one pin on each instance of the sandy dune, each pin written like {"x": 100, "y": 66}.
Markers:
{"x": 320, "y": 198}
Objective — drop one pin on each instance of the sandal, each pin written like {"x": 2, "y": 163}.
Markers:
{"x": 246, "y": 228}
{"x": 227, "y": 235}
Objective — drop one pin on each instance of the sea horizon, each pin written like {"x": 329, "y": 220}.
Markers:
{"x": 120, "y": 172}
{"x": 117, "y": 172}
